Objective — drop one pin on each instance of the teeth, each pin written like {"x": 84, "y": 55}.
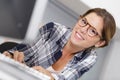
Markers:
{"x": 78, "y": 35}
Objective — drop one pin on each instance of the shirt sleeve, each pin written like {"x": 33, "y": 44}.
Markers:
{"x": 34, "y": 47}
{"x": 30, "y": 49}
{"x": 75, "y": 71}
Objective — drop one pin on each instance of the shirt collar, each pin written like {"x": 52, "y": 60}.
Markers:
{"x": 63, "y": 39}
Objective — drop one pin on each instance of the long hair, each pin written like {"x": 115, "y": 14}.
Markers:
{"x": 109, "y": 25}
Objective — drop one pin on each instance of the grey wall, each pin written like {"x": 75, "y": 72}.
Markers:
{"x": 110, "y": 70}
{"x": 95, "y": 72}
{"x": 57, "y": 12}
{"x": 49, "y": 10}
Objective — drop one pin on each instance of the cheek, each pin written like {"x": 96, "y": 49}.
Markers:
{"x": 92, "y": 42}
{"x": 89, "y": 42}
{"x": 76, "y": 26}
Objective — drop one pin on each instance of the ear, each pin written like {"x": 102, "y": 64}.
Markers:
{"x": 100, "y": 43}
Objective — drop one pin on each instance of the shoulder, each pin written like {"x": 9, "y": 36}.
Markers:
{"x": 52, "y": 30}
{"x": 90, "y": 60}
{"x": 51, "y": 25}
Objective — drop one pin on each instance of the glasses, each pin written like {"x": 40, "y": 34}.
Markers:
{"x": 91, "y": 30}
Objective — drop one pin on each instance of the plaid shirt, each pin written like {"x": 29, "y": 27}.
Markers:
{"x": 47, "y": 49}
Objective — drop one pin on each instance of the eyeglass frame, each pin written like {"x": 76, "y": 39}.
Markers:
{"x": 90, "y": 26}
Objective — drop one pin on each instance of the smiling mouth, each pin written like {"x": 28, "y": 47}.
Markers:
{"x": 79, "y": 36}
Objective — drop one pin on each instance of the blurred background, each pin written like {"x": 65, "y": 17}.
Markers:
{"x": 21, "y": 19}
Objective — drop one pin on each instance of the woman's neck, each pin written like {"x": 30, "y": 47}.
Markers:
{"x": 70, "y": 48}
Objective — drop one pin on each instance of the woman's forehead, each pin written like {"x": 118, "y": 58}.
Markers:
{"x": 95, "y": 21}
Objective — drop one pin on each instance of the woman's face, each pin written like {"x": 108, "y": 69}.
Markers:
{"x": 87, "y": 31}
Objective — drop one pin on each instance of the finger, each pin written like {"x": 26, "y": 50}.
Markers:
{"x": 7, "y": 54}
{"x": 16, "y": 55}
{"x": 44, "y": 71}
{"x": 37, "y": 68}
{"x": 21, "y": 57}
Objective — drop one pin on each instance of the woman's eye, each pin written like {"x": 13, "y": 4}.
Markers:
{"x": 84, "y": 21}
{"x": 93, "y": 32}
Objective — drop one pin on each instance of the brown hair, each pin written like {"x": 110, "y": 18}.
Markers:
{"x": 109, "y": 25}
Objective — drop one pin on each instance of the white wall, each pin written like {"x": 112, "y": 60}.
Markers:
{"x": 36, "y": 19}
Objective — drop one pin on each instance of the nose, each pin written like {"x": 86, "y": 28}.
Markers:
{"x": 84, "y": 29}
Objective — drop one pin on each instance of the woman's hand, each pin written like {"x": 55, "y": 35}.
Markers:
{"x": 44, "y": 71}
{"x": 17, "y": 56}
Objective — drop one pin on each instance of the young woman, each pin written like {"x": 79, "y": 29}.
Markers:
{"x": 66, "y": 54}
